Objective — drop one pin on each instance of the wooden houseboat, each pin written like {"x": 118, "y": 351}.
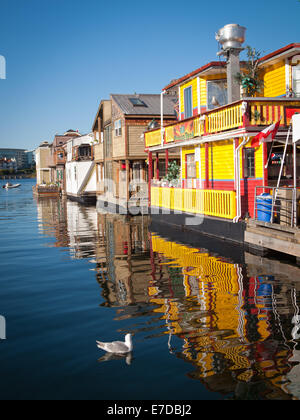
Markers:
{"x": 223, "y": 165}
{"x": 120, "y": 155}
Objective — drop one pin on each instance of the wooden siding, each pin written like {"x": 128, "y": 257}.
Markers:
{"x": 136, "y": 145}
{"x": 275, "y": 80}
{"x": 203, "y": 93}
{"x": 194, "y": 84}
{"x": 98, "y": 150}
{"x": 119, "y": 142}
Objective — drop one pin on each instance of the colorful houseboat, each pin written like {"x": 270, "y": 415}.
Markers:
{"x": 222, "y": 164}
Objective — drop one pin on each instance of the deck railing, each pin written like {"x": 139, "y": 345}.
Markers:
{"x": 220, "y": 204}
{"x": 254, "y": 112}
{"x": 225, "y": 119}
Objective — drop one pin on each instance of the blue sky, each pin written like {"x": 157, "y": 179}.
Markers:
{"x": 64, "y": 56}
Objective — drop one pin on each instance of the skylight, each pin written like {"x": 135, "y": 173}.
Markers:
{"x": 137, "y": 102}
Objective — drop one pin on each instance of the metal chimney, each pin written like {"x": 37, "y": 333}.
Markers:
{"x": 231, "y": 37}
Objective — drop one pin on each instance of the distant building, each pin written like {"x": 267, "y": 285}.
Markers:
{"x": 18, "y": 154}
{"x": 30, "y": 161}
{"x": 8, "y": 164}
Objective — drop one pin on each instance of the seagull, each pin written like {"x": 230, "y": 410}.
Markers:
{"x": 117, "y": 347}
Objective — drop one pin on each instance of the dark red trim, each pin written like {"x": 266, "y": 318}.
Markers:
{"x": 195, "y": 72}
{"x": 280, "y": 51}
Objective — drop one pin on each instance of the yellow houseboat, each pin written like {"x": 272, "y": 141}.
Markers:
{"x": 222, "y": 168}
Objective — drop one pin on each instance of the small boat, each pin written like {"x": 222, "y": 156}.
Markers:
{"x": 9, "y": 186}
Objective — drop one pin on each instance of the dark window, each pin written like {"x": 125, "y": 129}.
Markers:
{"x": 137, "y": 102}
{"x": 249, "y": 163}
{"x": 85, "y": 151}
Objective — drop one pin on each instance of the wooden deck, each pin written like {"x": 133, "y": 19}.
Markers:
{"x": 273, "y": 237}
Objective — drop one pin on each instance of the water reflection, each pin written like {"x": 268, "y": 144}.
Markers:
{"x": 236, "y": 325}
{"x": 108, "y": 357}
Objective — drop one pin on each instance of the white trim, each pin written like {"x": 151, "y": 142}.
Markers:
{"x": 200, "y": 165}
{"x": 296, "y": 59}
{"x": 179, "y": 96}
{"x": 287, "y": 75}
{"x": 199, "y": 94}
{"x": 279, "y": 56}
{"x": 234, "y": 152}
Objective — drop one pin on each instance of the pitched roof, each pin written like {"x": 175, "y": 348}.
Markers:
{"x": 151, "y": 104}
{"x": 219, "y": 64}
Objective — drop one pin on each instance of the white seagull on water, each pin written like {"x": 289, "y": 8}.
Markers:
{"x": 117, "y": 347}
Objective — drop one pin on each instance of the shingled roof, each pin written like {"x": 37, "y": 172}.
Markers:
{"x": 151, "y": 105}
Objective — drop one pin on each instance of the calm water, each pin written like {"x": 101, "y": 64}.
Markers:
{"x": 205, "y": 326}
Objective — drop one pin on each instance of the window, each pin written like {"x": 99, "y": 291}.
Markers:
{"x": 191, "y": 167}
{"x": 118, "y": 128}
{"x": 137, "y": 102}
{"x": 249, "y": 163}
{"x": 188, "y": 102}
{"x": 108, "y": 142}
{"x": 216, "y": 93}
{"x": 84, "y": 151}
{"x": 296, "y": 80}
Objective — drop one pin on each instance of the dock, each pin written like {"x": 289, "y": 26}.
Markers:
{"x": 264, "y": 237}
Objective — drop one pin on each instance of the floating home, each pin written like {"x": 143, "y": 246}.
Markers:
{"x": 80, "y": 170}
{"x": 120, "y": 157}
{"x": 50, "y": 165}
{"x": 224, "y": 170}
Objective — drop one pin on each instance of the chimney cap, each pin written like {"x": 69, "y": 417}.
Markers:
{"x": 231, "y": 36}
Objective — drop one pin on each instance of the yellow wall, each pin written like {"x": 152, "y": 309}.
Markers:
{"x": 203, "y": 90}
{"x": 275, "y": 80}
{"x": 221, "y": 162}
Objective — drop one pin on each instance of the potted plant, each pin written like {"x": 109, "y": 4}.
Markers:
{"x": 250, "y": 78}
{"x": 173, "y": 174}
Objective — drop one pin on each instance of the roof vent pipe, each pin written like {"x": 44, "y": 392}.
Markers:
{"x": 231, "y": 37}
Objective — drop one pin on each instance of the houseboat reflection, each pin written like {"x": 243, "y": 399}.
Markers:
{"x": 235, "y": 321}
